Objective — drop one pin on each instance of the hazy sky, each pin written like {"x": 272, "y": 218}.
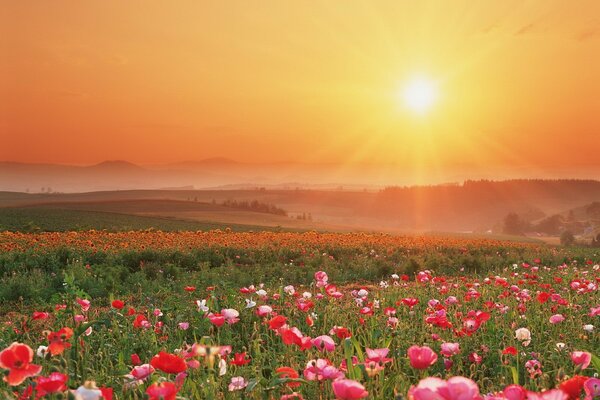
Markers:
{"x": 517, "y": 82}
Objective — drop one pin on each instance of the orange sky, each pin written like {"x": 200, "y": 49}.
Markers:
{"x": 315, "y": 81}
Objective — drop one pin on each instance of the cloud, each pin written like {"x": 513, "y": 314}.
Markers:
{"x": 526, "y": 29}
{"x": 588, "y": 34}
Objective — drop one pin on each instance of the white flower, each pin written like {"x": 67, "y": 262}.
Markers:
{"x": 560, "y": 346}
{"x": 250, "y": 303}
{"x": 384, "y": 284}
{"x": 395, "y": 276}
{"x": 222, "y": 367}
{"x": 42, "y": 351}
{"x": 202, "y": 305}
{"x": 261, "y": 292}
{"x": 588, "y": 328}
{"x": 289, "y": 289}
{"x": 363, "y": 293}
{"x": 88, "y": 391}
{"x": 524, "y": 335}
{"x": 307, "y": 295}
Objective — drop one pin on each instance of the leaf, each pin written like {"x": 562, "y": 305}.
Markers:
{"x": 515, "y": 375}
{"x": 596, "y": 362}
{"x": 252, "y": 383}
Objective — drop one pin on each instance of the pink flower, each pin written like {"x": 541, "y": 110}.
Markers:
{"x": 321, "y": 369}
{"x": 456, "y": 388}
{"x": 141, "y": 372}
{"x": 592, "y": 388}
{"x": 594, "y": 311}
{"x": 556, "y": 318}
{"x": 554, "y": 394}
{"x": 347, "y": 389}
{"x": 321, "y": 278}
{"x": 183, "y": 326}
{"x": 450, "y": 349}
{"x": 421, "y": 357}
{"x": 231, "y": 315}
{"x": 581, "y": 359}
{"x": 85, "y": 304}
{"x": 324, "y": 342}
{"x": 263, "y": 311}
{"x": 514, "y": 392}
{"x": 237, "y": 383}
{"x": 378, "y": 355}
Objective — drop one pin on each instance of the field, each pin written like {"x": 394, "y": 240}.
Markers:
{"x": 283, "y": 315}
{"x": 60, "y": 219}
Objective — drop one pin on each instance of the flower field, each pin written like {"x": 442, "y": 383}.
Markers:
{"x": 214, "y": 315}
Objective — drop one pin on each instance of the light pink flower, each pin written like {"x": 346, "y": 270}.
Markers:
{"x": 347, "y": 389}
{"x": 556, "y": 318}
{"x": 450, "y": 349}
{"x": 237, "y": 383}
{"x": 324, "y": 342}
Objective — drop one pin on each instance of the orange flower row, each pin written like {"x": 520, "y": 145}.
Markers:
{"x": 157, "y": 240}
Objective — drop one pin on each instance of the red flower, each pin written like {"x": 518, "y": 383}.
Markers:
{"x": 40, "y": 315}
{"x": 189, "y": 288}
{"x": 240, "y": 359}
{"x": 107, "y": 393}
{"x": 410, "y": 301}
{"x": 277, "y": 322}
{"x": 216, "y": 319}
{"x": 543, "y": 297}
{"x": 118, "y": 304}
{"x": 135, "y": 359}
{"x": 53, "y": 383}
{"x": 287, "y": 372}
{"x": 17, "y": 358}
{"x": 58, "y": 341}
{"x": 140, "y": 321}
{"x": 169, "y": 363}
{"x": 162, "y": 391}
{"x": 510, "y": 350}
{"x": 573, "y": 386}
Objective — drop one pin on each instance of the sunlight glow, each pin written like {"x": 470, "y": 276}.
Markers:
{"x": 419, "y": 95}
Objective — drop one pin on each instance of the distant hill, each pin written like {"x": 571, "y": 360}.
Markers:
{"x": 475, "y": 206}
{"x": 225, "y": 173}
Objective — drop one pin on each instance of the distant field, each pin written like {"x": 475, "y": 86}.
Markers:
{"x": 55, "y": 219}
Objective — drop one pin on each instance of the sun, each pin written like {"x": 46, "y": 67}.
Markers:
{"x": 420, "y": 95}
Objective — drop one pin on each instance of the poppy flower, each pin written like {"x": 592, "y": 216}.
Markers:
{"x": 277, "y": 322}
{"x": 421, "y": 357}
{"x": 216, "y": 319}
{"x": 141, "y": 321}
{"x": 59, "y": 341}
{"x": 162, "y": 391}
{"x": 37, "y": 315}
{"x": 240, "y": 359}
{"x": 53, "y": 383}
{"x": 118, "y": 304}
{"x": 581, "y": 359}
{"x": 574, "y": 386}
{"x": 287, "y": 372}
{"x": 347, "y": 389}
{"x": 169, "y": 363}
{"x": 17, "y": 358}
